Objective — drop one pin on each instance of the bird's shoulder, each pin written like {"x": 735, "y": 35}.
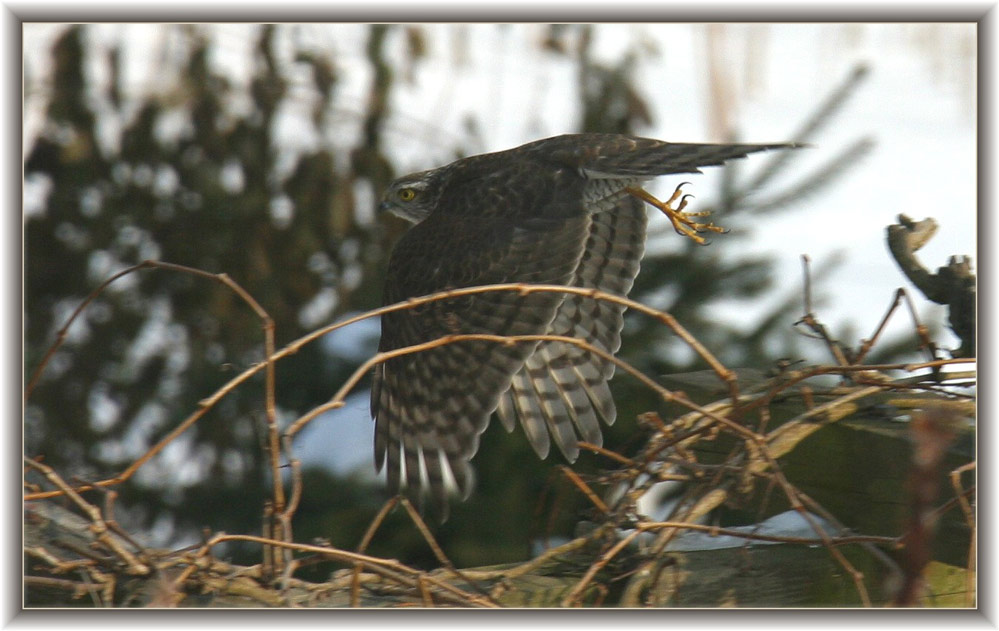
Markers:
{"x": 580, "y": 150}
{"x": 522, "y": 187}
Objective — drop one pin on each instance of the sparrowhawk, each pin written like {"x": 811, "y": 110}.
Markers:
{"x": 566, "y": 210}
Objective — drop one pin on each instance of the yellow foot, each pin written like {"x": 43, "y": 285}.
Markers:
{"x": 681, "y": 220}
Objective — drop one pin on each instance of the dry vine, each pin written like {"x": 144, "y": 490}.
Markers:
{"x": 669, "y": 454}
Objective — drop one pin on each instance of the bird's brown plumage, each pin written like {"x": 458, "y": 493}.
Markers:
{"x": 554, "y": 211}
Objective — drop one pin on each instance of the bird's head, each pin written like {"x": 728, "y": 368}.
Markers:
{"x": 412, "y": 196}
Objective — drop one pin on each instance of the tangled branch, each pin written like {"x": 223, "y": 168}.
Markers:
{"x": 620, "y": 532}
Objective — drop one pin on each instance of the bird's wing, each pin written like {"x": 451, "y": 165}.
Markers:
{"x": 562, "y": 389}
{"x": 430, "y": 407}
{"x": 569, "y": 220}
{"x": 627, "y": 157}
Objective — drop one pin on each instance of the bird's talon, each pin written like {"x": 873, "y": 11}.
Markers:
{"x": 682, "y": 221}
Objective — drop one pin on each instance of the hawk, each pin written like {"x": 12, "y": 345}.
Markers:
{"x": 567, "y": 210}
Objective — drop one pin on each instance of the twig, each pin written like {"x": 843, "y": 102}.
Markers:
{"x": 355, "y": 585}
{"x": 584, "y": 488}
{"x": 61, "y": 335}
{"x": 809, "y": 319}
{"x": 664, "y": 393}
{"x": 421, "y": 525}
{"x": 843, "y": 540}
{"x": 77, "y": 589}
{"x": 98, "y": 526}
{"x": 572, "y": 598}
{"x": 290, "y": 349}
{"x": 613, "y": 455}
{"x": 391, "y": 569}
{"x": 268, "y": 326}
{"x": 537, "y": 562}
{"x": 865, "y": 345}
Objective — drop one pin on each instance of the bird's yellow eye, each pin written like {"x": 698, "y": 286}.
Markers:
{"x": 407, "y": 194}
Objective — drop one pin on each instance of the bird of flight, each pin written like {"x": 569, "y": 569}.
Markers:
{"x": 567, "y": 210}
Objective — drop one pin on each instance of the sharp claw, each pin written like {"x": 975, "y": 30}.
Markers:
{"x": 683, "y": 203}
{"x": 677, "y": 192}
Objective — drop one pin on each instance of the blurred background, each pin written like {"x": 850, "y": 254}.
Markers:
{"x": 260, "y": 151}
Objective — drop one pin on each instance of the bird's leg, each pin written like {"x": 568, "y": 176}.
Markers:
{"x": 681, "y": 220}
